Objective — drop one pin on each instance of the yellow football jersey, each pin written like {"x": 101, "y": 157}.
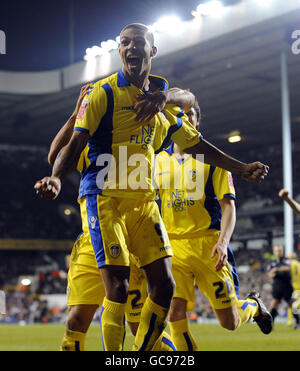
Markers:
{"x": 295, "y": 274}
{"x": 184, "y": 214}
{"x": 118, "y": 160}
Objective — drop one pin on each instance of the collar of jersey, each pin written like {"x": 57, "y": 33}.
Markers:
{"x": 170, "y": 149}
{"x": 159, "y": 81}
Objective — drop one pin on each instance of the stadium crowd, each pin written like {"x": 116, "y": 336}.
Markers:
{"x": 47, "y": 272}
{"x": 24, "y": 216}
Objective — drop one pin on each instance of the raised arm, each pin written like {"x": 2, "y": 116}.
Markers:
{"x": 65, "y": 133}
{"x": 284, "y": 194}
{"x": 66, "y": 162}
{"x": 253, "y": 172}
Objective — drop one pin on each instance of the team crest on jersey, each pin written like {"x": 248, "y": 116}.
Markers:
{"x": 192, "y": 174}
{"x": 83, "y": 108}
{"x": 92, "y": 221}
{"x": 115, "y": 251}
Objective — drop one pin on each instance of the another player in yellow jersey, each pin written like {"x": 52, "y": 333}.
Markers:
{"x": 118, "y": 207}
{"x": 295, "y": 277}
{"x": 200, "y": 230}
{"x": 295, "y": 271}
{"x": 295, "y": 265}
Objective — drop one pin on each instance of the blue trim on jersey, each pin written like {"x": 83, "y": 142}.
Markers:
{"x": 83, "y": 130}
{"x": 156, "y": 80}
{"x": 169, "y": 343}
{"x": 170, "y": 149}
{"x": 99, "y": 143}
{"x": 122, "y": 81}
{"x": 95, "y": 230}
{"x": 188, "y": 341}
{"x": 227, "y": 195}
{"x": 211, "y": 203}
{"x": 159, "y": 82}
{"x": 172, "y": 130}
{"x": 100, "y": 317}
{"x": 149, "y": 332}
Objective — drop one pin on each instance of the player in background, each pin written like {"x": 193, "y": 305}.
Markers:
{"x": 295, "y": 264}
{"x": 200, "y": 231}
{"x": 282, "y": 289}
{"x": 284, "y": 194}
{"x": 295, "y": 277}
{"x": 105, "y": 127}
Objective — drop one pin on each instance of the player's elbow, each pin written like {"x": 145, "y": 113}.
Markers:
{"x": 51, "y": 158}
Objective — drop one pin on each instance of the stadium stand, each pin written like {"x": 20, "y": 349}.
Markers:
{"x": 26, "y": 218}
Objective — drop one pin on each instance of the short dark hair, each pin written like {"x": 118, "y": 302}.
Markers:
{"x": 143, "y": 27}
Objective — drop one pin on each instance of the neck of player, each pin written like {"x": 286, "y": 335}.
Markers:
{"x": 141, "y": 81}
{"x": 178, "y": 151}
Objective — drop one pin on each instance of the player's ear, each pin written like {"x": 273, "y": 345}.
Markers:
{"x": 153, "y": 51}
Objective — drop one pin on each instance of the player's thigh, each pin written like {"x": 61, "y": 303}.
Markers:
{"x": 85, "y": 285}
{"x": 217, "y": 286}
{"x": 183, "y": 276}
{"x": 102, "y": 219}
{"x": 148, "y": 239}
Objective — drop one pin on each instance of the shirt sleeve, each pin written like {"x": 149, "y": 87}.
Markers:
{"x": 223, "y": 184}
{"x": 181, "y": 131}
{"x": 92, "y": 110}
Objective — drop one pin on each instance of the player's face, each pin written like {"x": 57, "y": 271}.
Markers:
{"x": 136, "y": 52}
{"x": 192, "y": 115}
{"x": 277, "y": 251}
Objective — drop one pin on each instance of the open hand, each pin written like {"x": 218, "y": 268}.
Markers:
{"x": 220, "y": 250}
